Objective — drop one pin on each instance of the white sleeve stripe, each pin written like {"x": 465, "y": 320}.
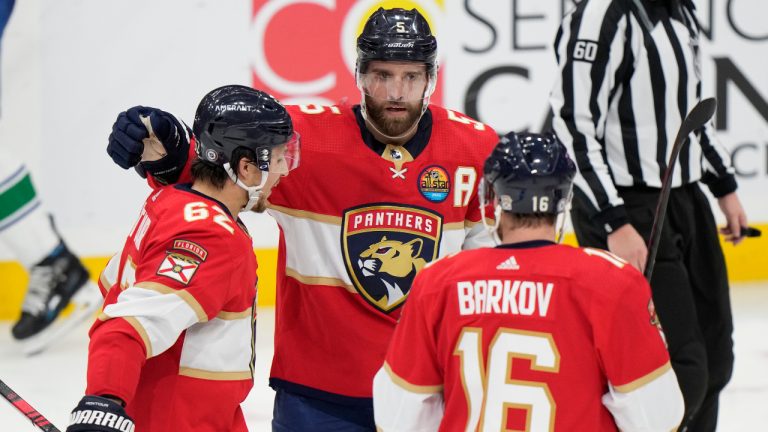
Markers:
{"x": 656, "y": 406}
{"x": 219, "y": 348}
{"x": 183, "y": 294}
{"x": 396, "y": 409}
{"x": 161, "y": 316}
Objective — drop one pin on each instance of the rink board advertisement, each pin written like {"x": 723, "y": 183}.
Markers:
{"x": 68, "y": 69}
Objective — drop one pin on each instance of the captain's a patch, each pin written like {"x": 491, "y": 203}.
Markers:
{"x": 178, "y": 267}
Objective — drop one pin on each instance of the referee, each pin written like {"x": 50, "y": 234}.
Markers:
{"x": 629, "y": 72}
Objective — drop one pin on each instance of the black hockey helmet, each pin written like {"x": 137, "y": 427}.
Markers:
{"x": 397, "y": 35}
{"x": 235, "y": 116}
{"x": 529, "y": 173}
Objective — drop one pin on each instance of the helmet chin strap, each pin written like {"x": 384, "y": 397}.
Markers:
{"x": 370, "y": 121}
{"x": 254, "y": 192}
{"x": 560, "y": 225}
{"x": 493, "y": 230}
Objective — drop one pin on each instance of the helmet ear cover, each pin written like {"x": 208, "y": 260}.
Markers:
{"x": 529, "y": 174}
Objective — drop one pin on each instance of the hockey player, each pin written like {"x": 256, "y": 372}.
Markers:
{"x": 173, "y": 348}
{"x": 384, "y": 187}
{"x": 529, "y": 335}
{"x": 56, "y": 275}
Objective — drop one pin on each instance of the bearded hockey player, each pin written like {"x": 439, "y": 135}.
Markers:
{"x": 529, "y": 335}
{"x": 173, "y": 349}
{"x": 384, "y": 187}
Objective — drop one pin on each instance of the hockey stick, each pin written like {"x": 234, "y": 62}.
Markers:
{"x": 699, "y": 115}
{"x": 35, "y": 417}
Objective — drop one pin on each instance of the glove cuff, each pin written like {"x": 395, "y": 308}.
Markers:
{"x": 95, "y": 413}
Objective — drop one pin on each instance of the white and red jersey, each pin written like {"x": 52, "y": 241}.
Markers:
{"x": 355, "y": 227}
{"x": 534, "y": 336}
{"x": 175, "y": 339}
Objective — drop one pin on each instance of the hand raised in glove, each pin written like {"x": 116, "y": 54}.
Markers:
{"x": 134, "y": 128}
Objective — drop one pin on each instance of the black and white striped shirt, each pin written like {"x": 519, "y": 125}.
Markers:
{"x": 629, "y": 74}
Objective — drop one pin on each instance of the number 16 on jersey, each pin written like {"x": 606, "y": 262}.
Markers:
{"x": 501, "y": 393}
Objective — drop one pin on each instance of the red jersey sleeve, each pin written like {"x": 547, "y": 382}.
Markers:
{"x": 629, "y": 361}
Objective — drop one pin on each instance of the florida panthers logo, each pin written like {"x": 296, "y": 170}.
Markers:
{"x": 392, "y": 262}
{"x": 385, "y": 246}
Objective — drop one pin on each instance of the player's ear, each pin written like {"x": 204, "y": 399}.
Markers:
{"x": 244, "y": 168}
{"x": 248, "y": 171}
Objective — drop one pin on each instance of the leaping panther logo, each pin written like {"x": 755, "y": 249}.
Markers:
{"x": 390, "y": 261}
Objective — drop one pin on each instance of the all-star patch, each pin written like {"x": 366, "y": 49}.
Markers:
{"x": 191, "y": 247}
{"x": 434, "y": 183}
{"x": 178, "y": 267}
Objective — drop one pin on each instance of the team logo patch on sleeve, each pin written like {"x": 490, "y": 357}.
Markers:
{"x": 178, "y": 267}
{"x": 434, "y": 183}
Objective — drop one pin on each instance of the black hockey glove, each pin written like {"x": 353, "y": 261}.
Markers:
{"x": 126, "y": 144}
{"x": 98, "y": 414}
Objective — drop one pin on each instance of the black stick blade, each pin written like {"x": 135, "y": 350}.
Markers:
{"x": 699, "y": 115}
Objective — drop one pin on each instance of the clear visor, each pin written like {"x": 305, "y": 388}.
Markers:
{"x": 285, "y": 157}
{"x": 406, "y": 87}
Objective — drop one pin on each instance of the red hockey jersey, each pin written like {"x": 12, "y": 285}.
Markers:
{"x": 356, "y": 226}
{"x": 175, "y": 340}
{"x": 527, "y": 339}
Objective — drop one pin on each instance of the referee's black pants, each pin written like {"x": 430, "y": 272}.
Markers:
{"x": 690, "y": 290}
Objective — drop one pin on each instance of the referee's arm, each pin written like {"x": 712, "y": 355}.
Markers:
{"x": 594, "y": 43}
{"x": 717, "y": 170}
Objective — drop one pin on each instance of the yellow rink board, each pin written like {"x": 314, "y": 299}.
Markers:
{"x": 747, "y": 262}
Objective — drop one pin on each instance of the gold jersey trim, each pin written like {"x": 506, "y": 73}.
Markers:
{"x": 304, "y": 214}
{"x": 636, "y": 384}
{"x": 105, "y": 282}
{"x": 142, "y": 333}
{"x": 215, "y": 375}
{"x": 413, "y": 388}
{"x": 231, "y": 316}
{"x": 319, "y": 280}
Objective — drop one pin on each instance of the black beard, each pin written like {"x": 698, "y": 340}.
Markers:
{"x": 387, "y": 126}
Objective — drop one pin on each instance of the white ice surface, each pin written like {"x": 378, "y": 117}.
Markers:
{"x": 54, "y": 381}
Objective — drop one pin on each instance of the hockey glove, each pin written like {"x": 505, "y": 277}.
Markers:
{"x": 98, "y": 414}
{"x": 126, "y": 144}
